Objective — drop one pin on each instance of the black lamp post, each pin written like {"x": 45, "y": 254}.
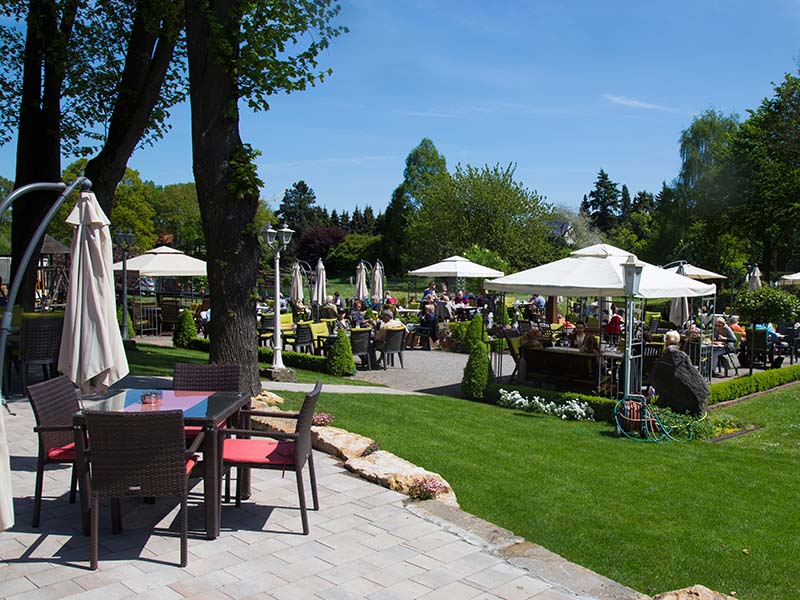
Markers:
{"x": 125, "y": 240}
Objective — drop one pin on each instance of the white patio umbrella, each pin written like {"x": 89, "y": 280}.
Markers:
{"x": 754, "y": 278}
{"x": 164, "y": 261}
{"x": 361, "y": 281}
{"x": 456, "y": 267}
{"x": 296, "y": 293}
{"x": 376, "y": 288}
{"x": 321, "y": 286}
{"x": 679, "y": 307}
{"x": 698, "y": 273}
{"x": 92, "y": 354}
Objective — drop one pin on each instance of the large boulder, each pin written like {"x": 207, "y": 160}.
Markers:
{"x": 679, "y": 385}
{"x": 395, "y": 473}
{"x": 696, "y": 592}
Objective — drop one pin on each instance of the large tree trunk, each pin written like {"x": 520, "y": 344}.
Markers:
{"x": 149, "y": 54}
{"x": 228, "y": 213}
{"x": 39, "y": 144}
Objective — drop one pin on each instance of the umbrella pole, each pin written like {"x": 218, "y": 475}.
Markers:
{"x": 33, "y": 245}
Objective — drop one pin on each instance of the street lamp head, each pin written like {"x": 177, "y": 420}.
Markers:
{"x": 269, "y": 236}
{"x": 633, "y": 275}
{"x": 125, "y": 238}
{"x": 285, "y": 235}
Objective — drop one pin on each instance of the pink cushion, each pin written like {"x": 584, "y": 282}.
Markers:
{"x": 63, "y": 454}
{"x": 193, "y": 430}
{"x": 191, "y": 463}
{"x": 258, "y": 452}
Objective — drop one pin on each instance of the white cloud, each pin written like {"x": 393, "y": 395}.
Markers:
{"x": 634, "y": 103}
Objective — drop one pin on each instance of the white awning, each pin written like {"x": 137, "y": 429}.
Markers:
{"x": 456, "y": 266}
{"x": 164, "y": 261}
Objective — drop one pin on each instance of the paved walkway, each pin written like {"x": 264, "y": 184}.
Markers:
{"x": 365, "y": 542}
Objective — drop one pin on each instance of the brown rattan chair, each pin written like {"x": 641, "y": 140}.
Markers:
{"x": 54, "y": 403}
{"x": 39, "y": 345}
{"x": 393, "y": 344}
{"x": 282, "y": 451}
{"x": 359, "y": 342}
{"x": 170, "y": 311}
{"x": 206, "y": 378}
{"x": 137, "y": 454}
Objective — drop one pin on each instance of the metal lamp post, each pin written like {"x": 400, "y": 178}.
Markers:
{"x": 278, "y": 240}
{"x": 125, "y": 240}
{"x": 633, "y": 277}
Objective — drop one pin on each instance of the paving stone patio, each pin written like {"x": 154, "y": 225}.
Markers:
{"x": 365, "y": 542}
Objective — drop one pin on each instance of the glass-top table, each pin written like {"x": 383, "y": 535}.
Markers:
{"x": 208, "y": 410}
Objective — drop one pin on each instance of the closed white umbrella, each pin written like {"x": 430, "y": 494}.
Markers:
{"x": 754, "y": 278}
{"x": 679, "y": 307}
{"x": 361, "y": 281}
{"x": 296, "y": 293}
{"x": 376, "y": 288}
{"x": 92, "y": 354}
{"x": 321, "y": 286}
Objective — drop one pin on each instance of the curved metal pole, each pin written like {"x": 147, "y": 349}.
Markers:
{"x": 33, "y": 245}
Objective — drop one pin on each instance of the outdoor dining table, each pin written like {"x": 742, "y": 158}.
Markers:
{"x": 204, "y": 409}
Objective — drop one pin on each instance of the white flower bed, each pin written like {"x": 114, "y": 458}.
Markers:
{"x": 572, "y": 409}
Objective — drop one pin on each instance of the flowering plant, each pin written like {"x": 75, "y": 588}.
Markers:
{"x": 426, "y": 488}
{"x": 322, "y": 419}
{"x": 572, "y": 409}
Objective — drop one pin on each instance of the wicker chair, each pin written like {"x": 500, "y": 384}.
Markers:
{"x": 206, "y": 378}
{"x": 170, "y": 311}
{"x": 303, "y": 339}
{"x": 39, "y": 345}
{"x": 393, "y": 344}
{"x": 54, "y": 403}
{"x": 138, "y": 454}
{"x": 359, "y": 342}
{"x": 282, "y": 452}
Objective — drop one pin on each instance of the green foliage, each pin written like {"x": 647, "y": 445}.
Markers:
{"x": 395, "y": 230}
{"x": 299, "y": 360}
{"x": 603, "y": 407}
{"x": 185, "y": 330}
{"x": 243, "y": 179}
{"x": 486, "y": 257}
{"x": 750, "y": 384}
{"x": 768, "y": 305}
{"x": 424, "y": 165}
{"x": 473, "y": 336}
{"x": 477, "y": 373}
{"x": 356, "y": 246}
{"x": 131, "y": 331}
{"x": 340, "y": 356}
{"x": 603, "y": 203}
{"x": 482, "y": 206}
{"x": 177, "y": 215}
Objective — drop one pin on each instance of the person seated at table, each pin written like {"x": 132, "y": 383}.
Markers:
{"x": 532, "y": 339}
{"x": 733, "y": 323}
{"x": 327, "y": 310}
{"x": 583, "y": 340}
{"x": 387, "y": 322}
{"x": 539, "y": 302}
{"x": 301, "y": 311}
{"x": 449, "y": 306}
{"x": 342, "y": 322}
{"x": 427, "y": 321}
{"x": 460, "y": 298}
{"x": 389, "y": 299}
{"x": 358, "y": 317}
{"x": 430, "y": 291}
{"x": 338, "y": 300}
{"x": 614, "y": 326}
{"x": 724, "y": 334}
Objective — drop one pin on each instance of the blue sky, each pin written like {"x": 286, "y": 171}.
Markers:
{"x": 561, "y": 88}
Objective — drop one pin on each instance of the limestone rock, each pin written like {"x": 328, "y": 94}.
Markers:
{"x": 679, "y": 385}
{"x": 395, "y": 473}
{"x": 338, "y": 442}
{"x": 696, "y": 592}
{"x": 267, "y": 398}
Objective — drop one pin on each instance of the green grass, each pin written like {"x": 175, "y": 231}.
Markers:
{"x": 651, "y": 516}
{"x": 160, "y": 360}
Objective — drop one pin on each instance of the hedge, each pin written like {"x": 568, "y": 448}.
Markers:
{"x": 749, "y": 384}
{"x": 298, "y": 360}
{"x": 477, "y": 373}
{"x": 603, "y": 407}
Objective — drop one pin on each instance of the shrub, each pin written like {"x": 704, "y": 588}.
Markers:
{"x": 185, "y": 330}
{"x": 298, "y": 360}
{"x": 474, "y": 335}
{"x": 340, "y": 356}
{"x": 131, "y": 332}
{"x": 477, "y": 373}
{"x": 749, "y": 384}
{"x": 768, "y": 304}
{"x": 426, "y": 488}
{"x": 572, "y": 409}
{"x": 371, "y": 449}
{"x": 603, "y": 407}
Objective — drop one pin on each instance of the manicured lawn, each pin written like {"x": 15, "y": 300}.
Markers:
{"x": 159, "y": 360}
{"x": 652, "y": 516}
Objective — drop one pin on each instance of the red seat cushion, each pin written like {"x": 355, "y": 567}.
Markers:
{"x": 258, "y": 452}
{"x": 193, "y": 430}
{"x": 191, "y": 463}
{"x": 62, "y": 454}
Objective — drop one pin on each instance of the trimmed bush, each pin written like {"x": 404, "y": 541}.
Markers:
{"x": 749, "y": 384}
{"x": 340, "y": 356}
{"x": 477, "y": 373}
{"x": 603, "y": 407}
{"x": 474, "y": 334}
{"x": 298, "y": 360}
{"x": 185, "y": 330}
{"x": 131, "y": 332}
